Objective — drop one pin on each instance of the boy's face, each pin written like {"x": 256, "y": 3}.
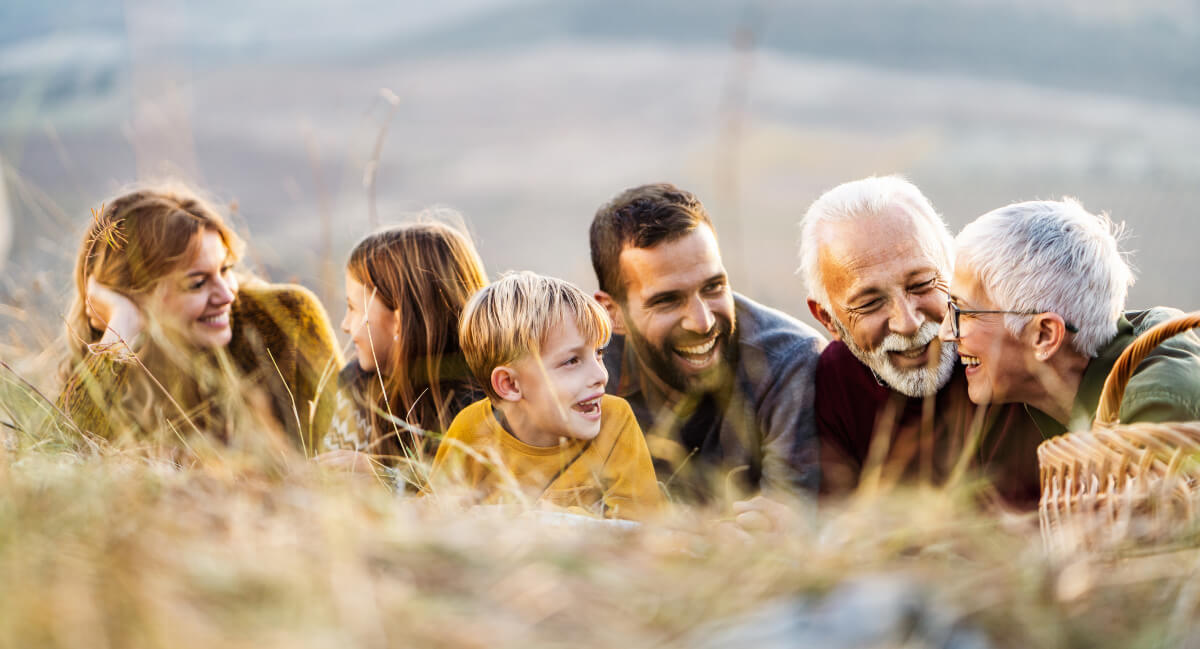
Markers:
{"x": 560, "y": 395}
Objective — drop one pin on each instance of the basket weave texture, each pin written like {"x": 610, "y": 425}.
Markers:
{"x": 1118, "y": 483}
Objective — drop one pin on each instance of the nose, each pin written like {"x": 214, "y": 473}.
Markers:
{"x": 946, "y": 330}
{"x": 346, "y": 322}
{"x": 223, "y": 292}
{"x": 699, "y": 317}
{"x": 905, "y": 319}
{"x": 599, "y": 373}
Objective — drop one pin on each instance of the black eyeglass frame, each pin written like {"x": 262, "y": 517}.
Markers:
{"x": 954, "y": 312}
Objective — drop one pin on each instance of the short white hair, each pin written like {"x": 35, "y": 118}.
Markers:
{"x": 1051, "y": 256}
{"x": 865, "y": 198}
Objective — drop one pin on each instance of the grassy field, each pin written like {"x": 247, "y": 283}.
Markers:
{"x": 250, "y": 545}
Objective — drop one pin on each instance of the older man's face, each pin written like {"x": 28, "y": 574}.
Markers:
{"x": 888, "y": 298}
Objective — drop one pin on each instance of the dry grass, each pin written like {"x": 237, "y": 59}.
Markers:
{"x": 109, "y": 547}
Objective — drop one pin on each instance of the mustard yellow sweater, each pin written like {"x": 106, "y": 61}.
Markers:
{"x": 610, "y": 475}
{"x": 282, "y": 346}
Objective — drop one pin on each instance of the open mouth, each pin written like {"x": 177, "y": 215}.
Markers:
{"x": 217, "y": 320}
{"x": 969, "y": 361}
{"x": 698, "y": 355}
{"x": 913, "y": 354}
{"x": 589, "y": 407}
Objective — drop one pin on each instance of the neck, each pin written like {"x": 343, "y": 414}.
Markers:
{"x": 513, "y": 420}
{"x": 1057, "y": 380}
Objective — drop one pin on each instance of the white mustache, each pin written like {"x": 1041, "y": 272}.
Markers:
{"x": 894, "y": 342}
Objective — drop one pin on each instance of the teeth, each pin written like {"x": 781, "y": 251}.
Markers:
{"x": 914, "y": 352}
{"x": 220, "y": 318}
{"x": 969, "y": 361}
{"x": 698, "y": 349}
{"x": 589, "y": 405}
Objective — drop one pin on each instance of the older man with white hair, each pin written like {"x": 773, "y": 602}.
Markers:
{"x": 876, "y": 258}
{"x": 1037, "y": 309}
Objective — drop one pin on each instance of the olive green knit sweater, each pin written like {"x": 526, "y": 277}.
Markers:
{"x": 282, "y": 345}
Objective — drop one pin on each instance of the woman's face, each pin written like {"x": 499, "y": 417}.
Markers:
{"x": 370, "y": 324}
{"x": 195, "y": 299}
{"x": 999, "y": 365}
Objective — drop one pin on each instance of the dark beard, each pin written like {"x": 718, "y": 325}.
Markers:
{"x": 659, "y": 359}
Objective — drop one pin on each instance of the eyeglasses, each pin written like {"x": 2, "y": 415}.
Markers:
{"x": 955, "y": 312}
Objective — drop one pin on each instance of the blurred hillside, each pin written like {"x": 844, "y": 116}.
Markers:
{"x": 526, "y": 116}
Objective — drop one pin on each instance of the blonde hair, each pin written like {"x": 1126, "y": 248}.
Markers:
{"x": 514, "y": 316}
{"x": 424, "y": 273}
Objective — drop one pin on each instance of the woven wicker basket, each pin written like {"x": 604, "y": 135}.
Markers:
{"x": 1122, "y": 483}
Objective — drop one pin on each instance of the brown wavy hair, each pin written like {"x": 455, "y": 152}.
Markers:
{"x": 424, "y": 273}
{"x": 133, "y": 242}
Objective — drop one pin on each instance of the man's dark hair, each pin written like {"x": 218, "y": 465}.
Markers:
{"x": 642, "y": 217}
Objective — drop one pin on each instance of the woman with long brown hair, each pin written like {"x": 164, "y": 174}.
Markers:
{"x": 167, "y": 339}
{"x": 405, "y": 289}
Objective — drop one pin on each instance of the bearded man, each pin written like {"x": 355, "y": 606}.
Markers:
{"x": 890, "y": 396}
{"x": 721, "y": 385}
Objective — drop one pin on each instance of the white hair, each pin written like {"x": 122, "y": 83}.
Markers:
{"x": 1051, "y": 256}
{"x": 866, "y": 198}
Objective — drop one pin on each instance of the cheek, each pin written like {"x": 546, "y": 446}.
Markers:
{"x": 869, "y": 331}
{"x": 933, "y": 307}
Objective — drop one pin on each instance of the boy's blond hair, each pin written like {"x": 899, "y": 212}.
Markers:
{"x": 513, "y": 317}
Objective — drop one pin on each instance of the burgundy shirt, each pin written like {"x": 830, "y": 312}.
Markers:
{"x": 924, "y": 437}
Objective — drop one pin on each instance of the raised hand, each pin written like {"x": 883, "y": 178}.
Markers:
{"x": 112, "y": 312}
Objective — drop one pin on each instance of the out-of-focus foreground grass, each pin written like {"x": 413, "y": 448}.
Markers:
{"x": 111, "y": 547}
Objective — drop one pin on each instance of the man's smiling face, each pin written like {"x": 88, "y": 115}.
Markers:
{"x": 887, "y": 298}
{"x": 678, "y": 308}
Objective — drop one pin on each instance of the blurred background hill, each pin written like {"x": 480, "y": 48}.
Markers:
{"x": 526, "y": 116}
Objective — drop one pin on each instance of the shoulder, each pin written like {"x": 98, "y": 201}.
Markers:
{"x": 616, "y": 409}
{"x": 618, "y": 427}
{"x": 773, "y": 348}
{"x": 471, "y": 422}
{"x": 774, "y": 331}
{"x": 280, "y": 304}
{"x": 1166, "y": 385}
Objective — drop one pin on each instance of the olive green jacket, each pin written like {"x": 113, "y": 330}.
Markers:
{"x": 1164, "y": 387}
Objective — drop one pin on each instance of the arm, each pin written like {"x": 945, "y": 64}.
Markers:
{"x": 97, "y": 383}
{"x": 786, "y": 417}
{"x": 92, "y": 390}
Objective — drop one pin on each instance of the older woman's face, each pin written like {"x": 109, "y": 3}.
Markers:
{"x": 998, "y": 364}
{"x": 195, "y": 300}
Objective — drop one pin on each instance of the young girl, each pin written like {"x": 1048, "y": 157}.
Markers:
{"x": 405, "y": 289}
{"x": 168, "y": 340}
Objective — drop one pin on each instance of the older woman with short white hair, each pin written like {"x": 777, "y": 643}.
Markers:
{"x": 1037, "y": 310}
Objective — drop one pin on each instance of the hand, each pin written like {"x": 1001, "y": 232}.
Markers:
{"x": 111, "y": 312}
{"x": 763, "y": 514}
{"x": 352, "y": 461}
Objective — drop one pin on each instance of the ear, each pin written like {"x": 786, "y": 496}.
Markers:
{"x": 505, "y": 383}
{"x": 1047, "y": 333}
{"x": 824, "y": 317}
{"x": 614, "y": 311}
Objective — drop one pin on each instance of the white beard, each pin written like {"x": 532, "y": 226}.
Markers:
{"x": 916, "y": 382}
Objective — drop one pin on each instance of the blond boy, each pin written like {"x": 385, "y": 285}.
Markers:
{"x": 546, "y": 431}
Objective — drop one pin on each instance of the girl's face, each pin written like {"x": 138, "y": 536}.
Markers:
{"x": 195, "y": 300}
{"x": 370, "y": 324}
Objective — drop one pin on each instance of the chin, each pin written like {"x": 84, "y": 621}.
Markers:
{"x": 585, "y": 434}
{"x": 214, "y": 341}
